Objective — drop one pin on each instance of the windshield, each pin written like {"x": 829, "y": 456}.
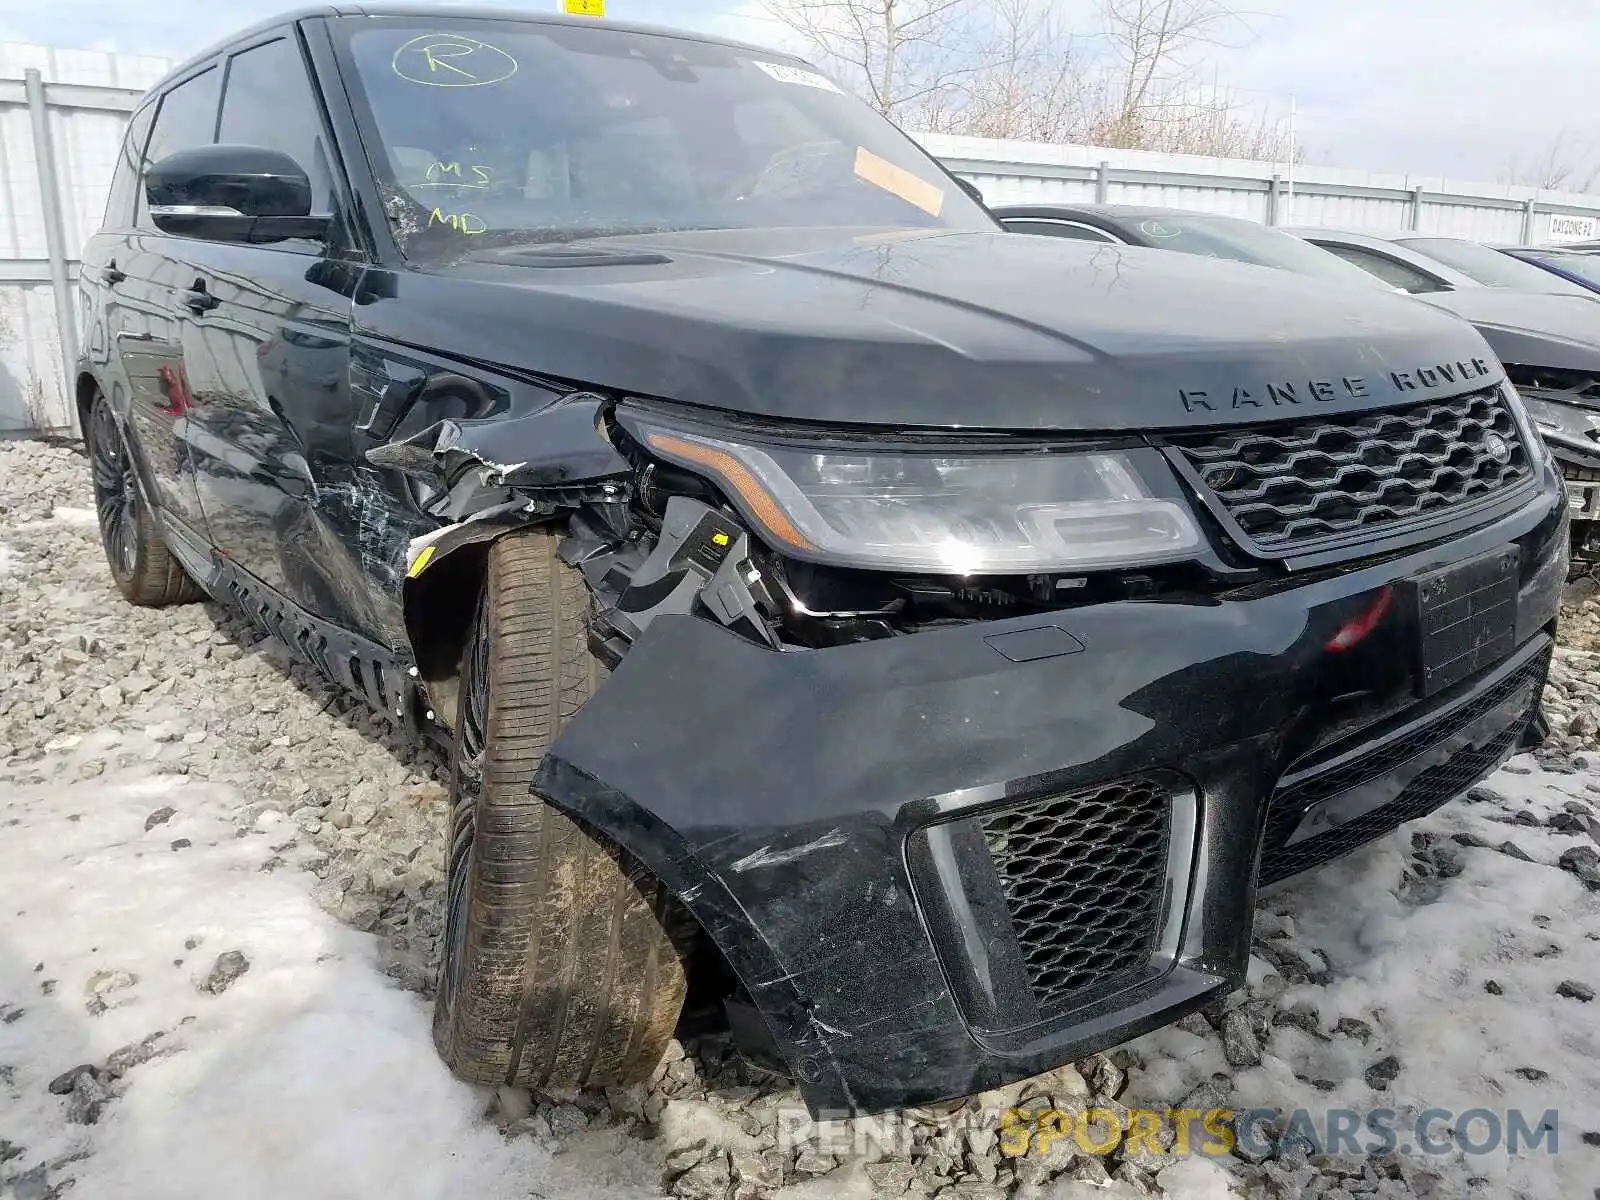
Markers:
{"x": 484, "y": 132}
{"x": 1491, "y": 268}
{"x": 1585, "y": 265}
{"x": 1247, "y": 242}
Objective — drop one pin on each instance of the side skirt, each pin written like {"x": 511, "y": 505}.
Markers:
{"x": 386, "y": 681}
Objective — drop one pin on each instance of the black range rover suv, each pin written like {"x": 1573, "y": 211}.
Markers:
{"x": 926, "y": 639}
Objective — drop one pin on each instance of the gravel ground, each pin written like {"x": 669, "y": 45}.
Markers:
{"x": 362, "y": 815}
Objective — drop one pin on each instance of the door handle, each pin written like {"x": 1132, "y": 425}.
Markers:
{"x": 111, "y": 275}
{"x": 198, "y": 300}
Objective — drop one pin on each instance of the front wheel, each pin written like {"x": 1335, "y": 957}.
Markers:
{"x": 144, "y": 569}
{"x": 563, "y": 961}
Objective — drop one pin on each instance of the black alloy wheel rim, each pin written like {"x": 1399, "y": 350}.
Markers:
{"x": 116, "y": 492}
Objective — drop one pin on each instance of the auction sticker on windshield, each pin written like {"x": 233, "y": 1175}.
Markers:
{"x": 785, "y": 73}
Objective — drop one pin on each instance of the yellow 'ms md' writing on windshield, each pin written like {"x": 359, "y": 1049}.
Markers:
{"x": 448, "y": 174}
{"x": 462, "y": 222}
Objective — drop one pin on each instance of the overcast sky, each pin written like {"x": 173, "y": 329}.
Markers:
{"x": 1429, "y": 87}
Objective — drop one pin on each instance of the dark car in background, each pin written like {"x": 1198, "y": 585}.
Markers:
{"x": 1549, "y": 343}
{"x": 1207, "y": 234}
{"x": 1577, "y": 266}
{"x": 923, "y": 640}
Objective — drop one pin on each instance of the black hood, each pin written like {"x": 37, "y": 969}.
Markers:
{"x": 1532, "y": 329}
{"x": 975, "y": 330}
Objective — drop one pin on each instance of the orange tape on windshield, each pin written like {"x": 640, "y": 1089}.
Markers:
{"x": 913, "y": 189}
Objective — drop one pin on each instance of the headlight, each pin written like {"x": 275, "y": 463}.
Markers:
{"x": 1579, "y": 427}
{"x": 948, "y": 511}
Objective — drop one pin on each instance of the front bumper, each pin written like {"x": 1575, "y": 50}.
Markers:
{"x": 950, "y": 860}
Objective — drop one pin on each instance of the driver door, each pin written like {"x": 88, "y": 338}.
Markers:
{"x": 268, "y": 340}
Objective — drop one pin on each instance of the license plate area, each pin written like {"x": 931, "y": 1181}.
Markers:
{"x": 1466, "y": 618}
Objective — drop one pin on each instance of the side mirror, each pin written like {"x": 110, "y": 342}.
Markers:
{"x": 232, "y": 194}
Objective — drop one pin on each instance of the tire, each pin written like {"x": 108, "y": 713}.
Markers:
{"x": 144, "y": 569}
{"x": 563, "y": 961}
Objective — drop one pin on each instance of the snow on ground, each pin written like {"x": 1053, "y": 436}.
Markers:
{"x": 310, "y": 1074}
{"x": 1444, "y": 967}
{"x": 1436, "y": 973}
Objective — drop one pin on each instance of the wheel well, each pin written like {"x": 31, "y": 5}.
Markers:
{"x": 86, "y": 390}
{"x": 439, "y": 607}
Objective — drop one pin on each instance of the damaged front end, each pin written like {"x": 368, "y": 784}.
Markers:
{"x": 966, "y": 752}
{"x": 1565, "y": 406}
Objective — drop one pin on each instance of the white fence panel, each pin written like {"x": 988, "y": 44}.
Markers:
{"x": 30, "y": 358}
{"x": 86, "y": 97}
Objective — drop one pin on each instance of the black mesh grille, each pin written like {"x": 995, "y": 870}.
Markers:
{"x": 1084, "y": 878}
{"x": 1299, "y": 482}
{"x": 1428, "y": 791}
{"x": 1420, "y": 797}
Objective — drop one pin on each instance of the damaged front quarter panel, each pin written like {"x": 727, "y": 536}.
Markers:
{"x": 481, "y": 459}
{"x": 552, "y": 457}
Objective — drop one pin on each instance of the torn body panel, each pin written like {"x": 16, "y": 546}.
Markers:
{"x": 556, "y": 453}
{"x": 783, "y": 797}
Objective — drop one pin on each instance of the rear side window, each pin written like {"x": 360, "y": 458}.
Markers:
{"x": 1396, "y": 274}
{"x": 1491, "y": 268}
{"x": 187, "y": 118}
{"x": 124, "y": 183}
{"x": 1060, "y": 229}
{"x": 269, "y": 103}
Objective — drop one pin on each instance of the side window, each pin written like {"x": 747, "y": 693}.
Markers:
{"x": 125, "y": 182}
{"x": 187, "y": 118}
{"x": 269, "y": 103}
{"x": 1395, "y": 274}
{"x": 1060, "y": 229}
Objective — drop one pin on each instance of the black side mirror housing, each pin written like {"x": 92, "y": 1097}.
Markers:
{"x": 232, "y": 194}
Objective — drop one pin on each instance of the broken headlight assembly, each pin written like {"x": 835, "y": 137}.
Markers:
{"x": 940, "y": 509}
{"x": 1567, "y": 424}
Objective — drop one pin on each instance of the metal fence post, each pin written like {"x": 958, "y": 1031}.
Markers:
{"x": 1274, "y": 191}
{"x": 1528, "y": 208}
{"x": 55, "y": 238}
{"x": 1102, "y": 183}
{"x": 1416, "y": 209}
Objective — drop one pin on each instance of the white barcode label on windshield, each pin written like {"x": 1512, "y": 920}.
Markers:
{"x": 788, "y": 73}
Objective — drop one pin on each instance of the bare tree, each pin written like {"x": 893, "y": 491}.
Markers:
{"x": 1028, "y": 80}
{"x": 1154, "y": 43}
{"x": 900, "y": 54}
{"x": 1152, "y": 38}
{"x": 1560, "y": 166}
{"x": 1016, "y": 69}
{"x": 1197, "y": 120}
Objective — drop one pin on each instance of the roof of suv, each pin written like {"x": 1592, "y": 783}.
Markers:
{"x": 454, "y": 12}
